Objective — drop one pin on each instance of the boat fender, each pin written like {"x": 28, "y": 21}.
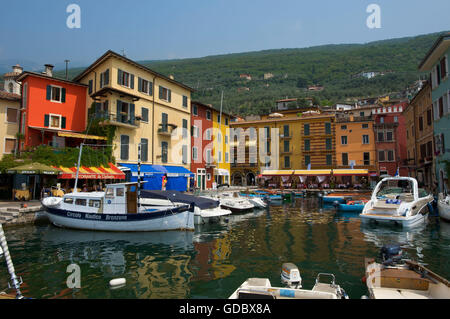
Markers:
{"x": 114, "y": 283}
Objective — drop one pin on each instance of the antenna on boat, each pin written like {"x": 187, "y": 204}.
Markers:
{"x": 16, "y": 282}
{"x": 78, "y": 168}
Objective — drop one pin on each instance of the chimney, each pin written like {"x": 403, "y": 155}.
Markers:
{"x": 171, "y": 77}
{"x": 48, "y": 70}
{"x": 17, "y": 69}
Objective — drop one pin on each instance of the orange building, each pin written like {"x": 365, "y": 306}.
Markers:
{"x": 53, "y": 110}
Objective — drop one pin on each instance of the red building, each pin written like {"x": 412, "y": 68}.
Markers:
{"x": 53, "y": 110}
{"x": 390, "y": 139}
{"x": 202, "y": 144}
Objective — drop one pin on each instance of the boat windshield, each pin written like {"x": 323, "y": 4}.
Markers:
{"x": 396, "y": 189}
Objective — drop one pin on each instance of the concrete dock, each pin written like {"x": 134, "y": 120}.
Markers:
{"x": 14, "y": 213}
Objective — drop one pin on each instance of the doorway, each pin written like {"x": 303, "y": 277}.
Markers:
{"x": 201, "y": 178}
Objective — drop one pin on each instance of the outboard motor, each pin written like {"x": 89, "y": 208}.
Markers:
{"x": 290, "y": 276}
{"x": 391, "y": 254}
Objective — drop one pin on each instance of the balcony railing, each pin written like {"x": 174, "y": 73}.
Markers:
{"x": 166, "y": 129}
{"x": 123, "y": 119}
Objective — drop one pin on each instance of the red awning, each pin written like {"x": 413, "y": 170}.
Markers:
{"x": 101, "y": 172}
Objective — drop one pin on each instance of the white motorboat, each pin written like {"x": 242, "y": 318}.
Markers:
{"x": 261, "y": 288}
{"x": 115, "y": 209}
{"x": 258, "y": 202}
{"x": 233, "y": 202}
{"x": 444, "y": 206}
{"x": 398, "y": 200}
{"x": 205, "y": 211}
{"x": 395, "y": 278}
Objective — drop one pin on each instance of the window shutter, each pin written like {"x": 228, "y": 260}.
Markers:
{"x": 49, "y": 92}
{"x": 160, "y": 92}
{"x": 63, "y": 95}
{"x": 170, "y": 95}
{"x": 90, "y": 86}
{"x": 132, "y": 81}
{"x": 46, "y": 120}
{"x": 101, "y": 79}
{"x": 132, "y": 116}
{"x": 119, "y": 77}
{"x": 139, "y": 84}
{"x": 124, "y": 141}
{"x": 150, "y": 88}
{"x": 63, "y": 122}
{"x": 119, "y": 109}
{"x": 443, "y": 143}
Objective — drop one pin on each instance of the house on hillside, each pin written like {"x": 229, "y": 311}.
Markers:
{"x": 246, "y": 76}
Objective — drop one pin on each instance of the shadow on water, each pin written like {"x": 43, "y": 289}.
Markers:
{"x": 215, "y": 259}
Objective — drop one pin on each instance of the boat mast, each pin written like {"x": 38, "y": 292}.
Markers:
{"x": 139, "y": 177}
{"x": 78, "y": 168}
{"x": 15, "y": 281}
{"x": 220, "y": 133}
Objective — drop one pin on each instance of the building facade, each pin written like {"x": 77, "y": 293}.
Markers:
{"x": 436, "y": 62}
{"x": 10, "y": 115}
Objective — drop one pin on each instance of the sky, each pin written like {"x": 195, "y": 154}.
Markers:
{"x": 172, "y": 29}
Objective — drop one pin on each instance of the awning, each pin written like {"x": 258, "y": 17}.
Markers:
{"x": 174, "y": 171}
{"x": 313, "y": 172}
{"x": 277, "y": 173}
{"x": 101, "y": 172}
{"x": 350, "y": 172}
{"x": 221, "y": 172}
{"x": 79, "y": 135}
{"x": 33, "y": 169}
{"x": 149, "y": 170}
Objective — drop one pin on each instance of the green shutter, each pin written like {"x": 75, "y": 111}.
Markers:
{"x": 49, "y": 92}
{"x": 63, "y": 95}
{"x": 160, "y": 92}
{"x": 139, "y": 84}
{"x": 150, "y": 88}
{"x": 63, "y": 122}
{"x": 106, "y": 78}
{"x": 170, "y": 95}
{"x": 132, "y": 81}
{"x": 119, "y": 109}
{"x": 132, "y": 116}
{"x": 119, "y": 77}
{"x": 46, "y": 120}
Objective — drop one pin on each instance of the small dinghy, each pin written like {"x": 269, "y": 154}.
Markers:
{"x": 260, "y": 288}
{"x": 354, "y": 206}
{"x": 396, "y": 278}
{"x": 444, "y": 207}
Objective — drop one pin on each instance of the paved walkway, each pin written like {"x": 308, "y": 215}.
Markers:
{"x": 18, "y": 204}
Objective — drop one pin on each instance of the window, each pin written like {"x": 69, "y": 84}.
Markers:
{"x": 94, "y": 203}
{"x": 144, "y": 114}
{"x": 286, "y": 146}
{"x": 54, "y": 121}
{"x": 165, "y": 94}
{"x": 367, "y": 159}
{"x": 328, "y": 144}
{"x": 389, "y": 136}
{"x": 11, "y": 88}
{"x": 381, "y": 120}
{"x": 144, "y": 149}
{"x": 226, "y": 157}
{"x": 287, "y": 162}
{"x": 226, "y": 121}
{"x": 218, "y": 118}
{"x": 80, "y": 201}
{"x": 329, "y": 159}
{"x": 164, "y": 121}
{"x": 366, "y": 139}
{"x": 345, "y": 159}
{"x": 208, "y": 134}
{"x": 10, "y": 145}
{"x": 208, "y": 156}
{"x": 68, "y": 200}
{"x": 441, "y": 107}
{"x": 195, "y": 131}
{"x": 361, "y": 114}
{"x": 185, "y": 128}
{"x": 120, "y": 191}
{"x": 286, "y": 130}
{"x": 24, "y": 95}
{"x": 328, "y": 128}
{"x": 420, "y": 123}
{"x": 343, "y": 127}
{"x": 126, "y": 79}
{"x": 104, "y": 78}
{"x": 124, "y": 146}
{"x": 307, "y": 160}
{"x": 164, "y": 151}
{"x": 145, "y": 86}
{"x": 195, "y": 110}
{"x": 184, "y": 154}
{"x": 125, "y": 112}
{"x": 429, "y": 116}
{"x": 185, "y": 101}
{"x": 395, "y": 119}
{"x": 390, "y": 156}
{"x": 91, "y": 85}
{"x": 306, "y": 129}
{"x": 344, "y": 140}
{"x": 194, "y": 153}
{"x": 444, "y": 67}
{"x": 208, "y": 115}
{"x": 307, "y": 145}
{"x": 109, "y": 192}
{"x": 12, "y": 115}
{"x": 381, "y": 156}
{"x": 56, "y": 94}
{"x": 380, "y": 136}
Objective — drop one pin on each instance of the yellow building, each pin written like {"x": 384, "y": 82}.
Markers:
{"x": 221, "y": 146}
{"x": 144, "y": 107}
{"x": 9, "y": 113}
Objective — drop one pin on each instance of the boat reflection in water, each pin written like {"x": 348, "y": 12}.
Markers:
{"x": 155, "y": 264}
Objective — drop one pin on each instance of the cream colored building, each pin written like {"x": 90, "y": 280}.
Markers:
{"x": 9, "y": 119}
{"x": 144, "y": 107}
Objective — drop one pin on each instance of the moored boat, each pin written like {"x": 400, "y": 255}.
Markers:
{"x": 355, "y": 206}
{"x": 232, "y": 201}
{"x": 399, "y": 201}
{"x": 443, "y": 205}
{"x": 394, "y": 278}
{"x": 115, "y": 209}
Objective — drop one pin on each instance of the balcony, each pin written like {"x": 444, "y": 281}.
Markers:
{"x": 166, "y": 129}
{"x": 123, "y": 120}
{"x": 354, "y": 119}
{"x": 286, "y": 136}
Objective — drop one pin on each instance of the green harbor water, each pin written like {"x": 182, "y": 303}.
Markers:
{"x": 215, "y": 259}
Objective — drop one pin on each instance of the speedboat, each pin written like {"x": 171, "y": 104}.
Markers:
{"x": 233, "y": 202}
{"x": 399, "y": 201}
{"x": 257, "y": 201}
{"x": 261, "y": 288}
{"x": 396, "y": 278}
{"x": 444, "y": 206}
{"x": 115, "y": 209}
{"x": 205, "y": 211}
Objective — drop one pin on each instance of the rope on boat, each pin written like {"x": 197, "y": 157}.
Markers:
{"x": 16, "y": 282}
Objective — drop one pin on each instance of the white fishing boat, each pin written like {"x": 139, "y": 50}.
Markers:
{"x": 232, "y": 201}
{"x": 115, "y": 209}
{"x": 396, "y": 278}
{"x": 399, "y": 201}
{"x": 205, "y": 211}
{"x": 443, "y": 205}
{"x": 261, "y": 288}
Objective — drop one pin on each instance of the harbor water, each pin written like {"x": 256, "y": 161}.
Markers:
{"x": 215, "y": 259}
